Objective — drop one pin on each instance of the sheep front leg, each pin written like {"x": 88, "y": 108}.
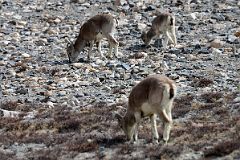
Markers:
{"x": 155, "y": 135}
{"x": 165, "y": 42}
{"x": 167, "y": 126}
{"x": 135, "y": 136}
{"x": 169, "y": 36}
{"x": 99, "y": 46}
{"x": 138, "y": 119}
{"x": 112, "y": 43}
{"x": 173, "y": 35}
{"x": 90, "y": 50}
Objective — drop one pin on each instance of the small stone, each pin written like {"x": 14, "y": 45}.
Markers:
{"x": 6, "y": 113}
{"x": 78, "y": 65}
{"x": 3, "y": 63}
{"x": 78, "y": 1}
{"x": 175, "y": 51}
{"x": 22, "y": 91}
{"x": 141, "y": 26}
{"x": 173, "y": 56}
{"x": 139, "y": 55}
{"x": 30, "y": 115}
{"x": 52, "y": 31}
{"x": 238, "y": 51}
{"x": 216, "y": 43}
{"x": 203, "y": 51}
{"x": 57, "y": 20}
{"x": 39, "y": 8}
{"x": 237, "y": 99}
{"x": 99, "y": 62}
{"x": 83, "y": 83}
{"x": 25, "y": 55}
{"x": 79, "y": 94}
{"x": 41, "y": 42}
{"x": 139, "y": 3}
{"x": 232, "y": 38}
{"x": 12, "y": 72}
{"x": 119, "y": 55}
{"x": 107, "y": 88}
{"x": 18, "y": 26}
{"x": 18, "y": 17}
{"x": 197, "y": 46}
{"x": 192, "y": 57}
{"x": 193, "y": 16}
{"x": 7, "y": 91}
{"x": 117, "y": 2}
{"x": 192, "y": 23}
{"x": 237, "y": 34}
{"x": 150, "y": 8}
{"x": 20, "y": 75}
{"x": 6, "y": 42}
{"x": 122, "y": 99}
{"x": 85, "y": 4}
{"x": 195, "y": 1}
{"x": 62, "y": 93}
{"x": 228, "y": 50}
{"x": 50, "y": 104}
{"x": 218, "y": 17}
{"x": 23, "y": 23}
{"x": 65, "y": 103}
{"x": 125, "y": 66}
{"x": 216, "y": 51}
{"x": 117, "y": 75}
{"x": 165, "y": 66}
{"x": 48, "y": 93}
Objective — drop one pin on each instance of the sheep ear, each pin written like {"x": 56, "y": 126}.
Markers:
{"x": 143, "y": 34}
{"x": 71, "y": 45}
{"x": 68, "y": 45}
{"x": 118, "y": 116}
{"x": 68, "y": 41}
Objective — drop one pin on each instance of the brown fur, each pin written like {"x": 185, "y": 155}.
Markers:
{"x": 158, "y": 93}
{"x": 164, "y": 24}
{"x": 96, "y": 28}
{"x": 153, "y": 85}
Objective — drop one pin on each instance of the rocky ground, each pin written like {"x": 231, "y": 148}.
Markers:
{"x": 51, "y": 109}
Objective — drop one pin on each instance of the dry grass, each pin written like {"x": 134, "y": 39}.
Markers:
{"x": 223, "y": 148}
{"x": 67, "y": 132}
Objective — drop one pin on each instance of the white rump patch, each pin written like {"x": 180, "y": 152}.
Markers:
{"x": 166, "y": 95}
